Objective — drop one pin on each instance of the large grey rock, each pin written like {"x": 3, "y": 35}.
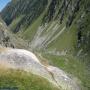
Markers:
{"x": 25, "y": 60}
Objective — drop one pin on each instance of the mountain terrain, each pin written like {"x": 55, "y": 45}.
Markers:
{"x": 14, "y": 76}
{"x": 56, "y": 31}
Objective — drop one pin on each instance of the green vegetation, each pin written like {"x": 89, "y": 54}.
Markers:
{"x": 23, "y": 81}
{"x": 15, "y": 22}
{"x": 72, "y": 66}
{"x": 74, "y": 15}
{"x": 66, "y": 41}
{"x": 31, "y": 30}
{"x": 30, "y": 10}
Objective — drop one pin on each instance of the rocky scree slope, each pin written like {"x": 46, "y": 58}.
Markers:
{"x": 24, "y": 60}
{"x": 8, "y": 39}
{"x": 55, "y": 24}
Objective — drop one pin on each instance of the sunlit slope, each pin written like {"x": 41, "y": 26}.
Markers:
{"x": 21, "y": 80}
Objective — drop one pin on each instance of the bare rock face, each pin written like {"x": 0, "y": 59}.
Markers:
{"x": 5, "y": 38}
{"x": 25, "y": 60}
{"x": 62, "y": 79}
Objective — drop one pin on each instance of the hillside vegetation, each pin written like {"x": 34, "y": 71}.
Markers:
{"x": 21, "y": 80}
{"x": 58, "y": 31}
{"x": 61, "y": 24}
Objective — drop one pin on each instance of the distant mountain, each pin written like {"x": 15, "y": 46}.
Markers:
{"x": 57, "y": 21}
{"x": 26, "y": 12}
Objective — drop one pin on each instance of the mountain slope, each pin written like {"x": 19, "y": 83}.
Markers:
{"x": 65, "y": 22}
{"x": 59, "y": 31}
{"x": 23, "y": 12}
{"x": 5, "y": 38}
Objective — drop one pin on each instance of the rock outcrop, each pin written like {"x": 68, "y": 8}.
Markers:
{"x": 25, "y": 60}
{"x": 5, "y": 38}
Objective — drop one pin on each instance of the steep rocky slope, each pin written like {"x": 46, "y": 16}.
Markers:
{"x": 24, "y": 11}
{"x": 51, "y": 23}
{"x": 58, "y": 30}
{"x": 8, "y": 39}
{"x": 27, "y": 61}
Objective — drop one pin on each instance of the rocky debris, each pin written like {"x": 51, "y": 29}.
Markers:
{"x": 5, "y": 39}
{"x": 41, "y": 40}
{"x": 25, "y": 60}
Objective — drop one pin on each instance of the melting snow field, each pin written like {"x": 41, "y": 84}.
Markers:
{"x": 26, "y": 60}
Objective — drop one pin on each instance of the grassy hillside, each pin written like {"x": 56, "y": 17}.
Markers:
{"x": 20, "y": 80}
{"x": 29, "y": 33}
{"x": 72, "y": 66}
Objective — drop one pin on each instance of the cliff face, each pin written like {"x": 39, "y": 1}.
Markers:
{"x": 5, "y": 38}
{"x": 52, "y": 20}
{"x": 72, "y": 13}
